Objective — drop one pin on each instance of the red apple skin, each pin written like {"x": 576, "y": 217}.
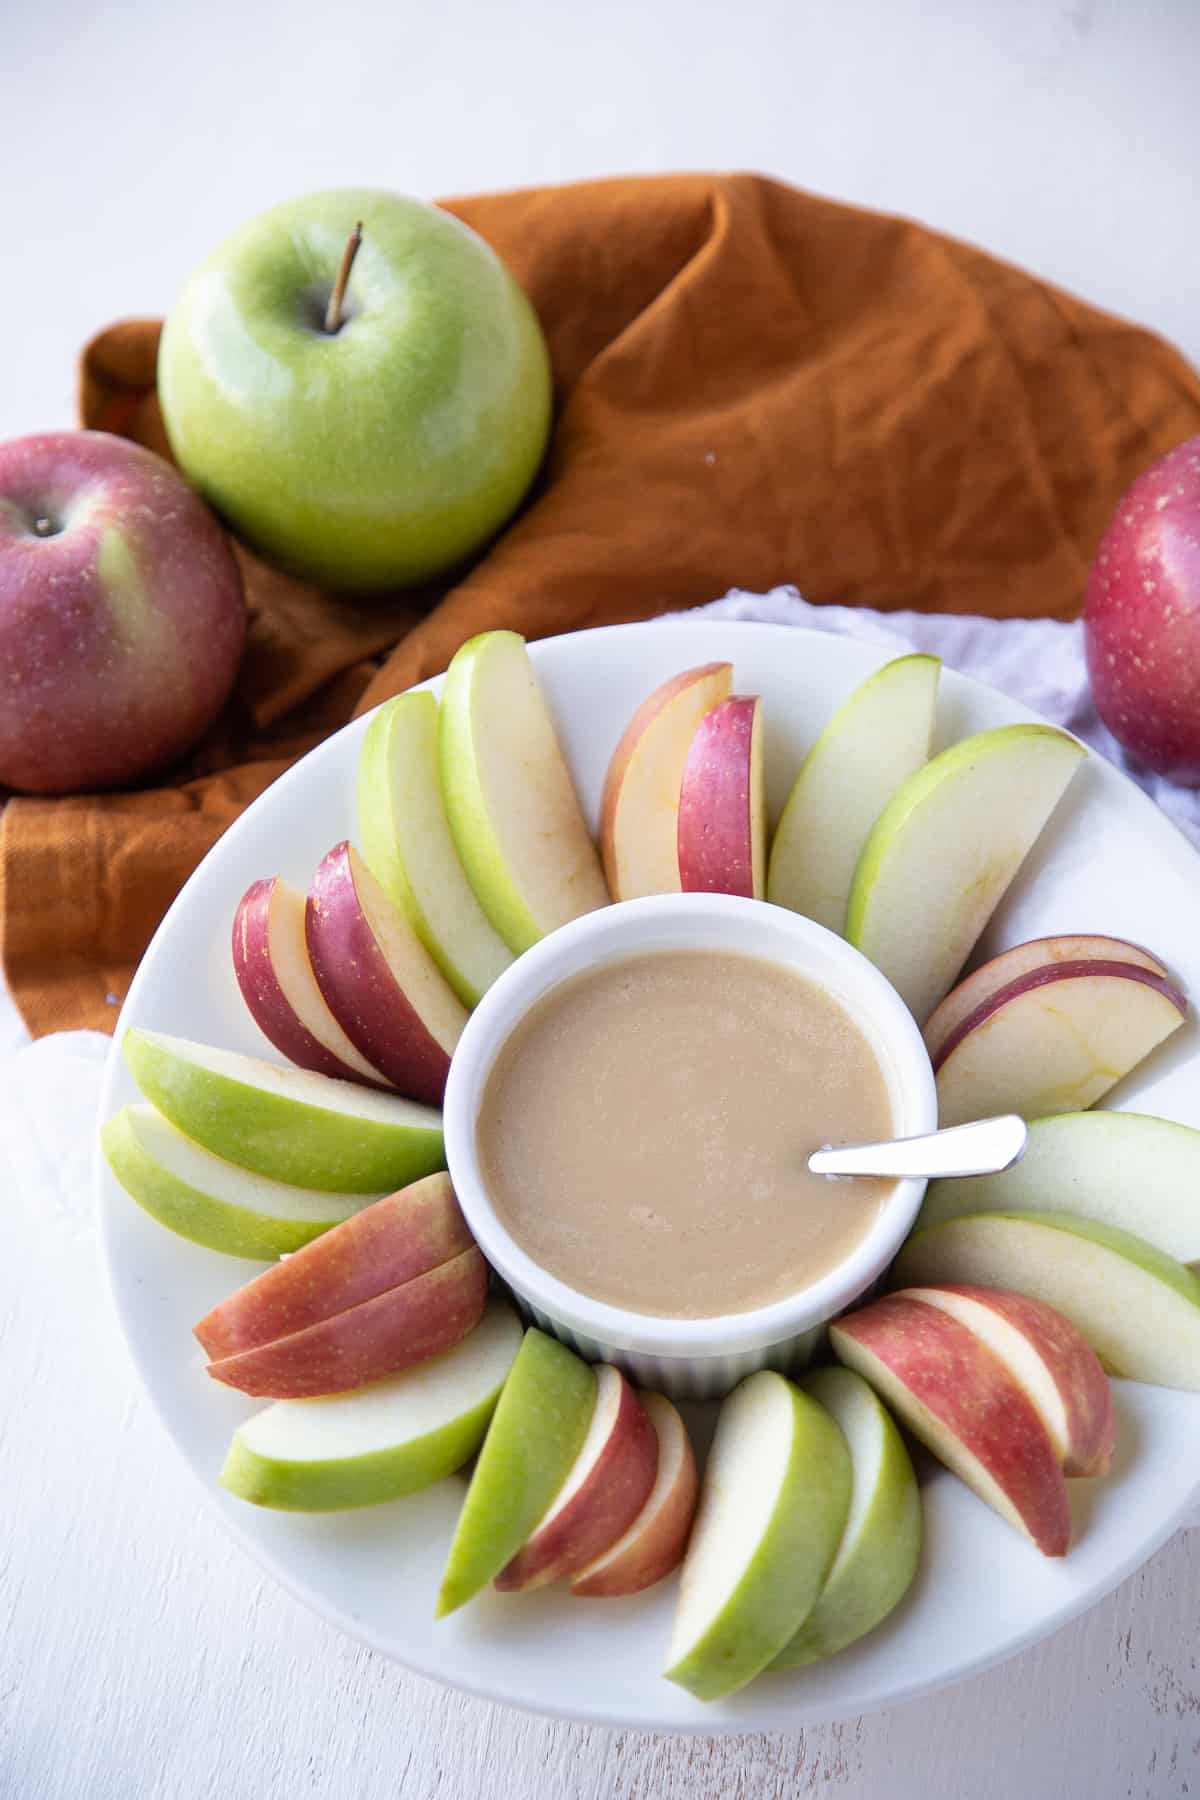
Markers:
{"x": 1141, "y": 618}
{"x": 397, "y": 1329}
{"x": 656, "y": 1542}
{"x": 352, "y": 972}
{"x": 122, "y": 631}
{"x": 968, "y": 1390}
{"x": 1050, "y": 972}
{"x": 1072, "y": 1363}
{"x": 604, "y": 1506}
{"x": 719, "y": 813}
{"x": 265, "y": 999}
{"x": 392, "y": 1241}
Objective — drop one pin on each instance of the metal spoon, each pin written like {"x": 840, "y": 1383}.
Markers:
{"x": 984, "y": 1147}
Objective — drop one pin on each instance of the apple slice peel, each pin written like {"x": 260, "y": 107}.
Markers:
{"x": 654, "y": 1544}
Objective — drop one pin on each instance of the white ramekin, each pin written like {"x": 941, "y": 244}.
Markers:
{"x": 690, "y": 1357}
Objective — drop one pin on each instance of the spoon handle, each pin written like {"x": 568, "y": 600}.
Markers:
{"x": 984, "y": 1147}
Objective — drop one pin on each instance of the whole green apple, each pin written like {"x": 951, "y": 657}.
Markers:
{"x": 369, "y": 439}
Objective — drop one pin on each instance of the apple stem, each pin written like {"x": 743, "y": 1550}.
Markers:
{"x": 333, "y": 312}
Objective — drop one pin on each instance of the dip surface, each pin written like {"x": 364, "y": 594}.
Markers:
{"x": 643, "y": 1132}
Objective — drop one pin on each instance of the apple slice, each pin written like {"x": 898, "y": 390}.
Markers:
{"x": 606, "y": 1488}
{"x": 1054, "y": 1040}
{"x": 722, "y": 805}
{"x": 381, "y": 1441}
{"x": 1039, "y": 953}
{"x": 1052, "y": 1361}
{"x": 1124, "y": 1169}
{"x": 211, "y": 1201}
{"x": 401, "y": 1236}
{"x": 381, "y": 983}
{"x": 271, "y": 962}
{"x": 655, "y": 1542}
{"x": 532, "y": 1442}
{"x": 513, "y": 811}
{"x": 639, "y": 814}
{"x": 774, "y": 1502}
{"x": 955, "y": 1395}
{"x": 408, "y": 847}
{"x": 1138, "y": 1309}
{"x": 873, "y": 743}
{"x": 881, "y": 1544}
{"x": 288, "y": 1124}
{"x": 944, "y": 850}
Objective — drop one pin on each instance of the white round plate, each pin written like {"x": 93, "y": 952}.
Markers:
{"x": 1109, "y": 862}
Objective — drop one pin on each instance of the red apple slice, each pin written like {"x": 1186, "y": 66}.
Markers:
{"x": 605, "y": 1490}
{"x": 954, "y": 1393}
{"x": 394, "y": 1240}
{"x": 397, "y": 1329}
{"x": 656, "y": 1541}
{"x": 271, "y": 962}
{"x": 722, "y": 807}
{"x": 639, "y": 814}
{"x": 1053, "y": 1362}
{"x": 1054, "y": 1040}
{"x": 1039, "y": 953}
{"x": 382, "y": 985}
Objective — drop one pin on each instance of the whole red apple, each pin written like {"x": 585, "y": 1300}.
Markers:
{"x": 1142, "y": 618}
{"x": 122, "y": 617}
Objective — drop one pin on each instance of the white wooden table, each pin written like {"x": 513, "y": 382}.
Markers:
{"x": 141, "y": 1654}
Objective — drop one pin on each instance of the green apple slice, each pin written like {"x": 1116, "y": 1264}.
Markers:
{"x": 881, "y": 1544}
{"x": 1125, "y": 1169}
{"x": 873, "y": 743}
{"x": 289, "y": 1124}
{"x": 211, "y": 1201}
{"x": 381, "y": 1441}
{"x": 1138, "y": 1309}
{"x": 773, "y": 1506}
{"x": 513, "y": 810}
{"x": 408, "y": 847}
{"x": 944, "y": 850}
{"x": 533, "y": 1439}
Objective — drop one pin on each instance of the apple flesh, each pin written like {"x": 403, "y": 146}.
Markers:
{"x": 654, "y": 1544}
{"x": 722, "y": 805}
{"x": 1054, "y": 1040}
{"x": 1125, "y": 1169}
{"x": 513, "y": 811}
{"x": 639, "y": 813}
{"x": 605, "y": 1489}
{"x": 383, "y": 451}
{"x": 122, "y": 618}
{"x": 1141, "y": 618}
{"x": 288, "y": 1124}
{"x": 1000, "y": 971}
{"x": 1053, "y": 1362}
{"x": 213, "y": 1202}
{"x": 944, "y": 850}
{"x": 873, "y": 743}
{"x": 1138, "y": 1309}
{"x": 773, "y": 1507}
{"x": 408, "y": 847}
{"x": 379, "y": 980}
{"x": 274, "y": 974}
{"x": 382, "y": 1441}
{"x": 955, "y": 1395}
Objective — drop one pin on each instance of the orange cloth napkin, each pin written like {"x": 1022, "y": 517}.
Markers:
{"x": 753, "y": 386}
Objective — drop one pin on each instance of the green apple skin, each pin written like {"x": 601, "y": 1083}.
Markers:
{"x": 383, "y": 453}
{"x": 305, "y": 1143}
{"x": 128, "y": 1141}
{"x": 783, "y": 1578}
{"x": 408, "y": 847}
{"x": 534, "y": 1437}
{"x": 881, "y": 1545}
{"x": 476, "y": 1369}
